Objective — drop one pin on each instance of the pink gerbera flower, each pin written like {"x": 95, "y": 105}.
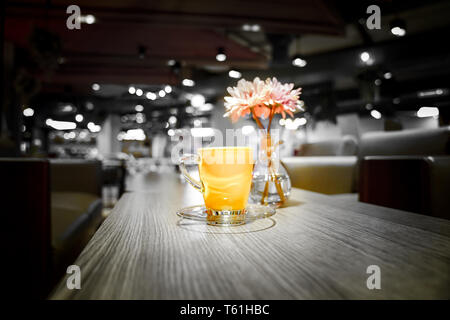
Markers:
{"x": 262, "y": 99}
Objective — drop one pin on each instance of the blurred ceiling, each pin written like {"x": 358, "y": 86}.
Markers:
{"x": 131, "y": 42}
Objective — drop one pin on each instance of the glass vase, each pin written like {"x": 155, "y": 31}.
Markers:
{"x": 271, "y": 184}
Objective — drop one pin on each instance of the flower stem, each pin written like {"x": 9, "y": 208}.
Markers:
{"x": 271, "y": 171}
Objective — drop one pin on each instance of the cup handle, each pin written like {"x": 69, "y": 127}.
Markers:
{"x": 193, "y": 182}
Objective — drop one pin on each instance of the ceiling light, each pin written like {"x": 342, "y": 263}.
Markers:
{"x": 298, "y": 62}
{"x": 364, "y": 56}
{"x": 398, "y": 27}
{"x": 246, "y": 27}
{"x": 139, "y": 108}
{"x": 221, "y": 56}
{"x": 161, "y": 93}
{"x": 428, "y": 112}
{"x": 140, "y": 118}
{"x": 197, "y": 100}
{"x": 61, "y": 125}
{"x": 139, "y": 92}
{"x": 430, "y": 93}
{"x": 206, "y": 107}
{"x": 150, "y": 95}
{"x": 300, "y": 121}
{"x": 93, "y": 127}
{"x": 89, "y": 105}
{"x": 234, "y": 74}
{"x": 188, "y": 83}
{"x": 171, "y": 62}
{"x": 375, "y": 114}
{"x": 134, "y": 134}
{"x": 95, "y": 86}
{"x": 189, "y": 109}
{"x": 172, "y": 120}
{"x": 171, "y": 132}
{"x": 131, "y": 90}
{"x": 387, "y": 75}
{"x": 251, "y": 27}
{"x": 28, "y": 112}
{"x": 256, "y": 28}
{"x": 168, "y": 89}
{"x": 79, "y": 118}
{"x": 89, "y": 19}
{"x": 197, "y": 123}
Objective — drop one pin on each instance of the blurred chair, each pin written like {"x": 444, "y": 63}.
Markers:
{"x": 329, "y": 175}
{"x": 412, "y": 183}
{"x": 408, "y": 170}
{"x": 51, "y": 209}
{"x": 113, "y": 179}
{"x": 325, "y": 166}
{"x": 345, "y": 146}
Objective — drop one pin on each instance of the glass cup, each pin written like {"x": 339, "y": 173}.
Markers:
{"x": 225, "y": 182}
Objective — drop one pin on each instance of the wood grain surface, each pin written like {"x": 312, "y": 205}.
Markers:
{"x": 316, "y": 247}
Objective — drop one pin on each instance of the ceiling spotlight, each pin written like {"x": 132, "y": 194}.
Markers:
{"x": 168, "y": 89}
{"x": 364, "y": 56}
{"x": 139, "y": 92}
{"x": 378, "y": 82}
{"x": 93, "y": 127}
{"x": 387, "y": 75}
{"x": 189, "y": 109}
{"x": 150, "y": 96}
{"x": 140, "y": 118}
{"x": 89, "y": 105}
{"x": 251, "y": 27}
{"x": 188, "y": 83}
{"x": 398, "y": 27}
{"x": 234, "y": 74}
{"x": 428, "y": 112}
{"x": 28, "y": 112}
{"x": 221, "y": 56}
{"x": 90, "y": 19}
{"x": 298, "y": 62}
{"x": 247, "y": 27}
{"x": 95, "y": 86}
{"x": 79, "y": 118}
{"x": 161, "y": 93}
{"x": 139, "y": 108}
{"x": 375, "y": 114}
{"x": 61, "y": 125}
{"x": 172, "y": 120}
{"x": 131, "y": 90}
{"x": 256, "y": 28}
{"x": 171, "y": 62}
{"x": 197, "y": 100}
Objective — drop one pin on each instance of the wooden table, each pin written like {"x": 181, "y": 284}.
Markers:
{"x": 316, "y": 247}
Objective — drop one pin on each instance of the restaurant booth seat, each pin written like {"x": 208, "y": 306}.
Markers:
{"x": 388, "y": 170}
{"x": 407, "y": 170}
{"x": 53, "y": 207}
{"x": 325, "y": 166}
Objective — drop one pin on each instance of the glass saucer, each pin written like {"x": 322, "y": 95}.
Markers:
{"x": 253, "y": 212}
